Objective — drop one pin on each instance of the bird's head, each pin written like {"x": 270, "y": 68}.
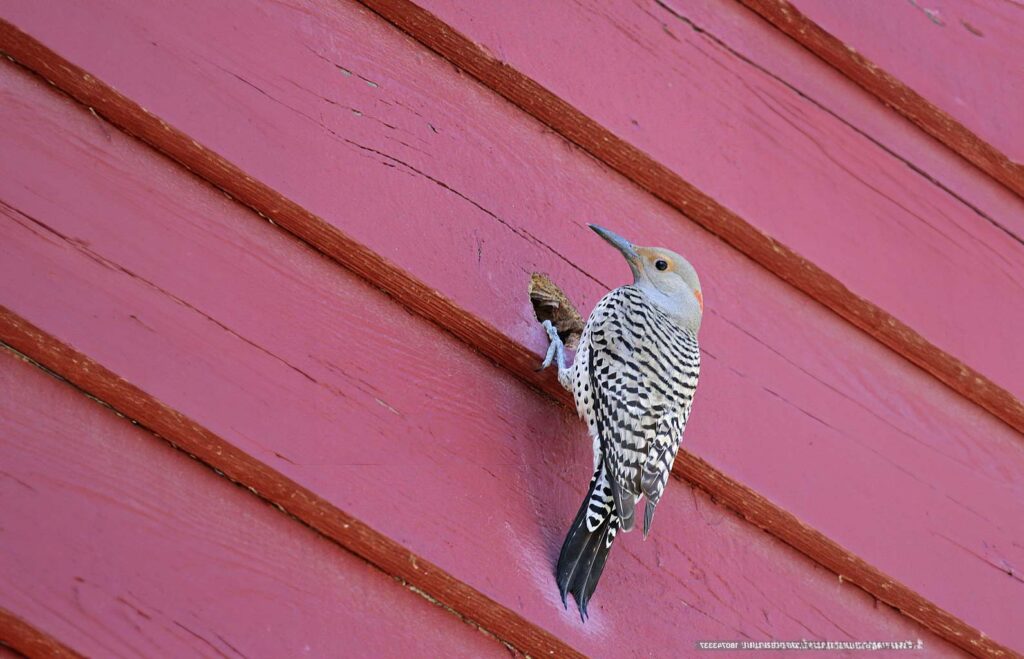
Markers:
{"x": 665, "y": 277}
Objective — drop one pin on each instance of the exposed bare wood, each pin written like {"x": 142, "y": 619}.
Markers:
{"x": 550, "y": 303}
{"x": 29, "y": 641}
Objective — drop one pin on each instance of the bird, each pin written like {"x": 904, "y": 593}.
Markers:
{"x": 633, "y": 380}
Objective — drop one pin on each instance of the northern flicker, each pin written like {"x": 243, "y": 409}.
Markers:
{"x": 633, "y": 380}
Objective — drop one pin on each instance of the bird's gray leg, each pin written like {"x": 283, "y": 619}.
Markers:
{"x": 555, "y": 348}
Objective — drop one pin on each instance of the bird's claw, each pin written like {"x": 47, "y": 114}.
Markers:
{"x": 555, "y": 345}
{"x": 552, "y": 331}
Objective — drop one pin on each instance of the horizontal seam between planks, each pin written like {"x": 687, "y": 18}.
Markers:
{"x": 438, "y": 309}
{"x": 125, "y": 399}
{"x": 891, "y": 91}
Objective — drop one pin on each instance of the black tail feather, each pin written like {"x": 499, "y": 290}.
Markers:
{"x": 648, "y": 517}
{"x": 583, "y": 555}
{"x": 625, "y": 504}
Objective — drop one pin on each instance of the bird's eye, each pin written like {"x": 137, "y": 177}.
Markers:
{"x": 661, "y": 264}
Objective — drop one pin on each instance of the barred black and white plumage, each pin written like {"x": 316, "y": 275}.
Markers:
{"x": 633, "y": 381}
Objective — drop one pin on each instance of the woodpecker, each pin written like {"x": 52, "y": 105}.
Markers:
{"x": 633, "y": 381}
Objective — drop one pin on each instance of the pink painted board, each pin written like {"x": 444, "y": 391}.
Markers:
{"x": 116, "y": 544}
{"x": 848, "y": 201}
{"x": 965, "y": 56}
{"x": 477, "y": 197}
{"x": 784, "y": 164}
{"x": 241, "y": 328}
{"x": 748, "y": 36}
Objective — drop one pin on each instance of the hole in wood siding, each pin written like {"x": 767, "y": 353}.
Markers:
{"x": 550, "y": 303}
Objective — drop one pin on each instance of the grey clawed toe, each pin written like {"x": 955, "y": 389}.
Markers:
{"x": 556, "y": 347}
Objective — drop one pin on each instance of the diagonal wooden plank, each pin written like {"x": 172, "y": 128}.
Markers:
{"x": 25, "y": 639}
{"x": 751, "y": 503}
{"x": 239, "y": 340}
{"x": 777, "y": 193}
{"x": 953, "y": 81}
{"x": 746, "y": 36}
{"x": 459, "y": 279}
{"x": 313, "y": 509}
{"x": 144, "y": 551}
{"x": 771, "y": 515}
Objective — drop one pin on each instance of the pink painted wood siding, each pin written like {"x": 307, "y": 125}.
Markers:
{"x": 119, "y": 545}
{"x": 439, "y": 449}
{"x": 777, "y": 349}
{"x": 967, "y": 57}
{"x": 364, "y": 359}
{"x": 665, "y": 78}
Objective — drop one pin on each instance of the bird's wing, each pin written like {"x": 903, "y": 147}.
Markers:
{"x": 639, "y": 376}
{"x": 676, "y": 372}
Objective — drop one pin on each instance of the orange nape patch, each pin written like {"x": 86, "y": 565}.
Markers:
{"x": 700, "y": 300}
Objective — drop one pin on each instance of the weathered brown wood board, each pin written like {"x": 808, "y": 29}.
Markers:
{"x": 376, "y": 152}
{"x": 115, "y": 544}
{"x": 195, "y": 300}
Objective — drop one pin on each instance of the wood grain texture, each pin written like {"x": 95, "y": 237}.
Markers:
{"x": 743, "y": 34}
{"x": 19, "y": 639}
{"x": 6, "y": 652}
{"x": 775, "y": 256}
{"x": 264, "y": 359}
{"x": 952, "y": 68}
{"x": 772, "y": 174}
{"x": 779, "y": 367}
{"x": 119, "y": 545}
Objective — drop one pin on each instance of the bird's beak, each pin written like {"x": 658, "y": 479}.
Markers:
{"x": 623, "y": 245}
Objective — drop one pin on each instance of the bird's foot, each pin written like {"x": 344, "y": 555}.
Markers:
{"x": 555, "y": 348}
